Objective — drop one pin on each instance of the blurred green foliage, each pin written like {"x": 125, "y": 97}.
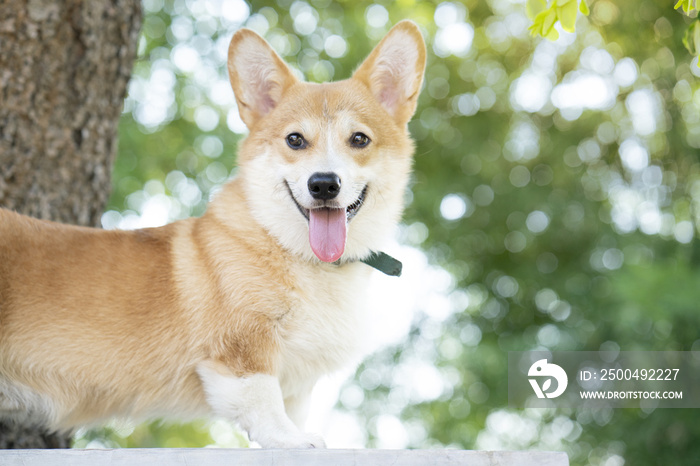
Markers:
{"x": 557, "y": 183}
{"x": 156, "y": 435}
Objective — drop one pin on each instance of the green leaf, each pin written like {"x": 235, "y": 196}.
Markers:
{"x": 550, "y": 17}
{"x": 534, "y": 7}
{"x": 544, "y": 19}
{"x": 696, "y": 40}
{"x": 544, "y": 22}
{"x": 552, "y": 35}
{"x": 567, "y": 16}
{"x": 687, "y": 5}
{"x": 537, "y": 24}
{"x": 583, "y": 8}
{"x": 691, "y": 38}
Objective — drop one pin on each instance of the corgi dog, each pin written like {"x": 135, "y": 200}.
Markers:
{"x": 235, "y": 314}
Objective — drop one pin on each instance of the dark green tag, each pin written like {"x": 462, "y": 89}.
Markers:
{"x": 384, "y": 263}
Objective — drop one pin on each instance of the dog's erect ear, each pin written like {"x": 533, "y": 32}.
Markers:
{"x": 258, "y": 75}
{"x": 394, "y": 70}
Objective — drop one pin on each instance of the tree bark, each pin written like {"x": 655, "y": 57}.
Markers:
{"x": 64, "y": 68}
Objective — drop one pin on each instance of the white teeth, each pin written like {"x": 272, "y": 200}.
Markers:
{"x": 354, "y": 207}
{"x": 350, "y": 210}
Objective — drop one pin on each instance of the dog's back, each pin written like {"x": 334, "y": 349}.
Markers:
{"x": 66, "y": 334}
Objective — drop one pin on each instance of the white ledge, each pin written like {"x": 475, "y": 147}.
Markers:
{"x": 257, "y": 457}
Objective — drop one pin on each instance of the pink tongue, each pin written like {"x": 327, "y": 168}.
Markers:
{"x": 327, "y": 233}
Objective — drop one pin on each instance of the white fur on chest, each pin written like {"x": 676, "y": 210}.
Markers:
{"x": 326, "y": 327}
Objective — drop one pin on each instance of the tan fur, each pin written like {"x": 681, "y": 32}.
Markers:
{"x": 96, "y": 324}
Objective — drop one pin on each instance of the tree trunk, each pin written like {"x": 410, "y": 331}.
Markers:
{"x": 64, "y": 67}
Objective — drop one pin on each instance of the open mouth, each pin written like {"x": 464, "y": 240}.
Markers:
{"x": 328, "y": 226}
{"x": 350, "y": 211}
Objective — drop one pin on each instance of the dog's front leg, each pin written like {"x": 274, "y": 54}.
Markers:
{"x": 255, "y": 402}
{"x": 297, "y": 406}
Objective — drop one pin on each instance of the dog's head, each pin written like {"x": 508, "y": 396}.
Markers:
{"x": 325, "y": 166}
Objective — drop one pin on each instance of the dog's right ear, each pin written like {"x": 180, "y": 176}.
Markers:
{"x": 393, "y": 72}
{"x": 258, "y": 75}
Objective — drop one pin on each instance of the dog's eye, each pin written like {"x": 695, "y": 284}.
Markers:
{"x": 359, "y": 140}
{"x": 296, "y": 141}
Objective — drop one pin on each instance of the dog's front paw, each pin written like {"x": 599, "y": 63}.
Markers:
{"x": 301, "y": 440}
{"x": 304, "y": 440}
{"x": 314, "y": 441}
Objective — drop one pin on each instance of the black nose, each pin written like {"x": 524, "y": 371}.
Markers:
{"x": 324, "y": 186}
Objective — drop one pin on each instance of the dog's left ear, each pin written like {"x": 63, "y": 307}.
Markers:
{"x": 259, "y": 76}
{"x": 393, "y": 72}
